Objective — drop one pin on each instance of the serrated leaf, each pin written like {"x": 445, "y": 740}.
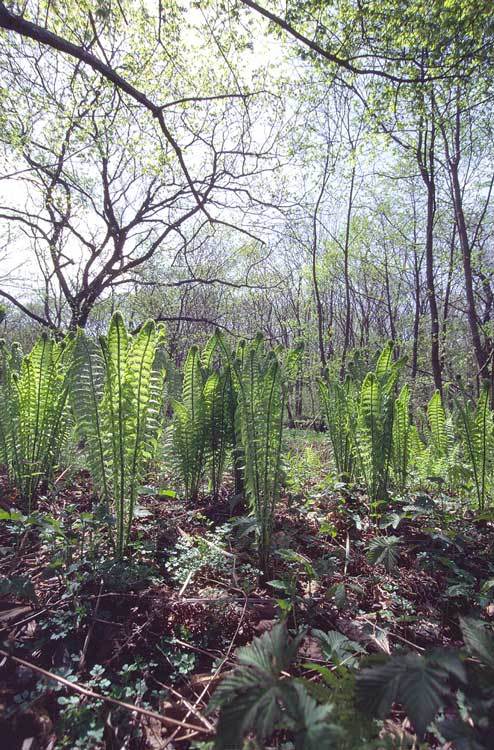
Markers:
{"x": 478, "y": 640}
{"x": 337, "y": 648}
{"x": 385, "y": 550}
{"x": 312, "y": 721}
{"x": 420, "y": 683}
{"x": 250, "y": 697}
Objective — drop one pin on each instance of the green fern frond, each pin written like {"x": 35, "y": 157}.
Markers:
{"x": 33, "y": 412}
{"x": 401, "y": 437}
{"x": 116, "y": 396}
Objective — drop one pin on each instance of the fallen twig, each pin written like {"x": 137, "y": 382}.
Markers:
{"x": 82, "y": 660}
{"x": 166, "y": 720}
{"x": 219, "y": 667}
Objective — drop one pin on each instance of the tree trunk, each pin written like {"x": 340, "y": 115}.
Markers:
{"x": 425, "y": 158}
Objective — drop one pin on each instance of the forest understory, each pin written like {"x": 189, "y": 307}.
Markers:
{"x": 160, "y": 632}
{"x": 246, "y": 375}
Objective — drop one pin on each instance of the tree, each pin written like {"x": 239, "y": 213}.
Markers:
{"x": 109, "y": 187}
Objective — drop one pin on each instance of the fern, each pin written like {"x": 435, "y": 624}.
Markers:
{"x": 221, "y": 402}
{"x": 216, "y": 396}
{"x": 259, "y": 386}
{"x": 204, "y": 426}
{"x": 115, "y": 396}
{"x": 477, "y": 429}
{"x": 87, "y": 387}
{"x": 33, "y": 413}
{"x": 370, "y": 444}
{"x": 339, "y": 403}
{"x": 401, "y": 443}
{"x": 442, "y": 458}
{"x": 261, "y": 401}
{"x": 374, "y": 426}
{"x": 190, "y": 425}
{"x": 437, "y": 424}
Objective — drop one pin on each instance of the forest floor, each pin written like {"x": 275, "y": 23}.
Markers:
{"x": 159, "y": 633}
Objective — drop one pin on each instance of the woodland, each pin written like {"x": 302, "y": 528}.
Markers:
{"x": 246, "y": 375}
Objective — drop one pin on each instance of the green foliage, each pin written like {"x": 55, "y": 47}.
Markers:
{"x": 259, "y": 382}
{"x": 338, "y": 649}
{"x": 190, "y": 425}
{"x": 339, "y": 403}
{"x": 477, "y": 431}
{"x": 441, "y": 460}
{"x": 479, "y": 640}
{"x": 34, "y": 417}
{"x": 204, "y": 420}
{"x": 257, "y": 698}
{"x": 221, "y": 403}
{"x": 18, "y": 587}
{"x": 401, "y": 438}
{"x": 374, "y": 429}
{"x": 437, "y": 423}
{"x": 384, "y": 550}
{"x": 370, "y": 430}
{"x": 217, "y": 390}
{"x": 419, "y": 682}
{"x": 424, "y": 683}
{"x": 115, "y": 396}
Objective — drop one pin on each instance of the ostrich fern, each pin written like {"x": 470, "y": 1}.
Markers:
{"x": 477, "y": 428}
{"x": 190, "y": 425}
{"x": 217, "y": 397}
{"x": 441, "y": 459}
{"x": 374, "y": 426}
{"x": 261, "y": 403}
{"x": 339, "y": 405}
{"x": 115, "y": 395}
{"x": 33, "y": 412}
{"x": 221, "y": 403}
{"x": 402, "y": 440}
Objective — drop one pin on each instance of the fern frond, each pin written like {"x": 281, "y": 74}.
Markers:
{"x": 401, "y": 437}
{"x": 116, "y": 397}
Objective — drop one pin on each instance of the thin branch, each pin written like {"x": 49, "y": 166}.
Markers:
{"x": 330, "y": 56}
{"x": 167, "y": 721}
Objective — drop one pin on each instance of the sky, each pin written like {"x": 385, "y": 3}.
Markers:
{"x": 20, "y": 272}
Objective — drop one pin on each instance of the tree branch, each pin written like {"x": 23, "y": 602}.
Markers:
{"x": 25, "y": 28}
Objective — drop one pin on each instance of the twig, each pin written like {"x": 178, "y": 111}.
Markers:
{"x": 199, "y": 650}
{"x": 32, "y": 616}
{"x": 190, "y": 537}
{"x": 187, "y": 704}
{"x": 393, "y": 635}
{"x": 219, "y": 667}
{"x": 62, "y": 475}
{"x": 82, "y": 660}
{"x": 168, "y": 721}
{"x": 186, "y": 583}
